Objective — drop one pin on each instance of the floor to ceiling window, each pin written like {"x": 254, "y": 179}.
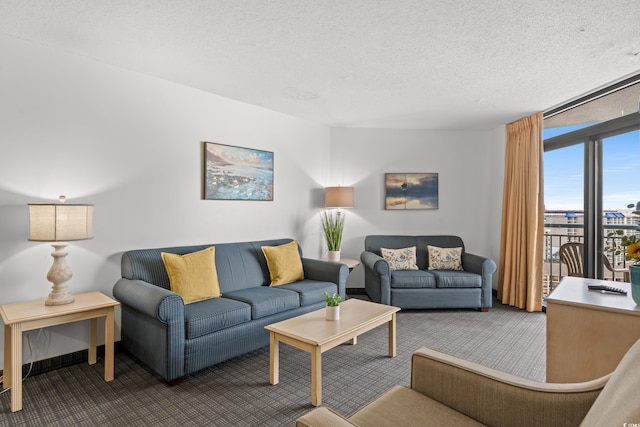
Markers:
{"x": 592, "y": 172}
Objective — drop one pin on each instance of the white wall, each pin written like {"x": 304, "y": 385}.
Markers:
{"x": 470, "y": 168}
{"x": 131, "y": 145}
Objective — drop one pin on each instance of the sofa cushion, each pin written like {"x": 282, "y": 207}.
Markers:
{"x": 193, "y": 276}
{"x": 311, "y": 291}
{"x": 444, "y": 258}
{"x": 265, "y": 301}
{"x": 405, "y": 407}
{"x": 412, "y": 279}
{"x": 205, "y": 317}
{"x": 456, "y": 279}
{"x": 285, "y": 265}
{"x": 400, "y": 259}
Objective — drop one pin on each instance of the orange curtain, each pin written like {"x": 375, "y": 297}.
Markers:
{"x": 521, "y": 240}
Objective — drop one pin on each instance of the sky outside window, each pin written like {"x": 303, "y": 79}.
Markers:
{"x": 563, "y": 172}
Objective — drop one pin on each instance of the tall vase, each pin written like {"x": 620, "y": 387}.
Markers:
{"x": 634, "y": 271}
{"x": 334, "y": 256}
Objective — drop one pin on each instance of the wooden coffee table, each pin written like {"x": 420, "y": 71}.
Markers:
{"x": 312, "y": 333}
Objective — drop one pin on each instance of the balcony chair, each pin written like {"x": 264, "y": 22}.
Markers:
{"x": 571, "y": 254}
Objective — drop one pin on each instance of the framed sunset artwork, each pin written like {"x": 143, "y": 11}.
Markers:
{"x": 237, "y": 173}
{"x": 406, "y": 191}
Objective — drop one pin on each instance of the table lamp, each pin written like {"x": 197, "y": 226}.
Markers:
{"x": 60, "y": 223}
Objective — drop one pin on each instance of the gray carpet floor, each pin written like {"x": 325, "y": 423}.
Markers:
{"x": 237, "y": 392}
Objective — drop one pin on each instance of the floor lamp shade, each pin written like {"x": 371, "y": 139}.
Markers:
{"x": 338, "y": 197}
{"x": 60, "y": 223}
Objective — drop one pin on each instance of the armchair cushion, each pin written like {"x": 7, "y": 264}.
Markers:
{"x": 406, "y": 407}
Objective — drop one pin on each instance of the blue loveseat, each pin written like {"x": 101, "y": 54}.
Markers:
{"x": 424, "y": 288}
{"x": 176, "y": 339}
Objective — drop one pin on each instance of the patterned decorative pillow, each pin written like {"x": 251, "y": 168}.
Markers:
{"x": 400, "y": 259}
{"x": 444, "y": 258}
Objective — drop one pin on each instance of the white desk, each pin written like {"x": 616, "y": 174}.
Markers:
{"x": 588, "y": 332}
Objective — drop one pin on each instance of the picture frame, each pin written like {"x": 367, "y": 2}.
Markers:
{"x": 236, "y": 173}
{"x": 410, "y": 191}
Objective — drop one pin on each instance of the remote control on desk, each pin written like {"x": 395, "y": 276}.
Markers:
{"x": 605, "y": 288}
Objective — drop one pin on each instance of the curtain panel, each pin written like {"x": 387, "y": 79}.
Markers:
{"x": 522, "y": 231}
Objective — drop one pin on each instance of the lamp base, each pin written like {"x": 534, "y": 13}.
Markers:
{"x": 59, "y": 275}
{"x": 61, "y": 299}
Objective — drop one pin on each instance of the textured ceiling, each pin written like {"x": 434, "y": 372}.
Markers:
{"x": 433, "y": 64}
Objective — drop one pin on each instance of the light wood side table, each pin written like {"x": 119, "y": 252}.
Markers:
{"x": 588, "y": 332}
{"x": 26, "y": 316}
{"x": 350, "y": 263}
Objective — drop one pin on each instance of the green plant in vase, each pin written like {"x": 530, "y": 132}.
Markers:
{"x": 333, "y": 305}
{"x": 633, "y": 253}
{"x": 333, "y": 225}
{"x": 332, "y": 300}
{"x": 625, "y": 241}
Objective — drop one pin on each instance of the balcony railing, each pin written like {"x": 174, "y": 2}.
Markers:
{"x": 554, "y": 270}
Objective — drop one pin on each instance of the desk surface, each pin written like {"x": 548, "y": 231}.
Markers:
{"x": 588, "y": 332}
{"x": 36, "y": 309}
{"x": 574, "y": 291}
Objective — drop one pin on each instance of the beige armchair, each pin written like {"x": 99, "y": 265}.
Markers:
{"x": 447, "y": 391}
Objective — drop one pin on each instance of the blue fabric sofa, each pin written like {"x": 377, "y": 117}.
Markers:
{"x": 423, "y": 288}
{"x": 174, "y": 339}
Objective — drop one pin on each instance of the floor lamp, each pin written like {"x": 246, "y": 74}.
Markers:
{"x": 60, "y": 223}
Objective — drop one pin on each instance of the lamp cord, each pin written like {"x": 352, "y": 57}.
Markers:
{"x": 30, "y": 365}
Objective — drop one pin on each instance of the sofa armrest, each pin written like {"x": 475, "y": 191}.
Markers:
{"x": 148, "y": 299}
{"x": 478, "y": 264}
{"x": 485, "y": 267}
{"x": 325, "y": 271}
{"x": 497, "y": 398}
{"x": 153, "y": 327}
{"x": 377, "y": 277}
{"x": 320, "y": 417}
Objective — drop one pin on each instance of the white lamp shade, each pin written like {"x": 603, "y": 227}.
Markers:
{"x": 60, "y": 222}
{"x": 338, "y": 197}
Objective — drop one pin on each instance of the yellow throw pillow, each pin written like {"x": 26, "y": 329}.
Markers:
{"x": 193, "y": 276}
{"x": 285, "y": 265}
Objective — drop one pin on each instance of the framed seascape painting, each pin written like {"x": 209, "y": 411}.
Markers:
{"x": 404, "y": 191}
{"x": 237, "y": 173}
